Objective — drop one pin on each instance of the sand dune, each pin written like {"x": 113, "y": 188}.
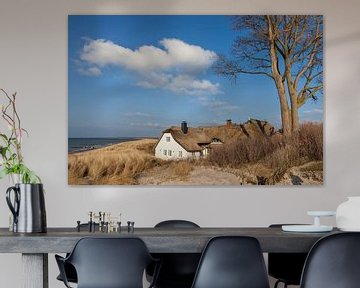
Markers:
{"x": 134, "y": 163}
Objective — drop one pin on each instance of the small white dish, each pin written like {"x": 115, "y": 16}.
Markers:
{"x": 306, "y": 228}
{"x": 316, "y": 227}
{"x": 321, "y": 213}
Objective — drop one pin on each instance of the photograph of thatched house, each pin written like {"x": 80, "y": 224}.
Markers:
{"x": 194, "y": 143}
{"x": 201, "y": 100}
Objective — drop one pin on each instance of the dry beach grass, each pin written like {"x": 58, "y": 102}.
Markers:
{"x": 271, "y": 160}
{"x": 115, "y": 164}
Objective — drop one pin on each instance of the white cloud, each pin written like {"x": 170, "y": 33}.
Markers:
{"x": 92, "y": 71}
{"x": 311, "y": 115}
{"x": 173, "y": 67}
{"x": 147, "y": 125}
{"x": 313, "y": 111}
{"x": 137, "y": 114}
{"x": 188, "y": 57}
{"x": 176, "y": 55}
{"x": 181, "y": 84}
{"x": 219, "y": 107}
{"x": 154, "y": 80}
{"x": 188, "y": 85}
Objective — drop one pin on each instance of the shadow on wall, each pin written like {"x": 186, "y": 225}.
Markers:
{"x": 141, "y": 7}
{"x": 345, "y": 39}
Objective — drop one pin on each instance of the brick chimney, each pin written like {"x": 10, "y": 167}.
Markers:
{"x": 228, "y": 123}
{"x": 184, "y": 127}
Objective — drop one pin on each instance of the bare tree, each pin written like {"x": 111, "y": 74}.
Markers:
{"x": 288, "y": 49}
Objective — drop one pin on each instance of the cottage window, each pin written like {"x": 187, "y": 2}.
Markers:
{"x": 165, "y": 152}
{"x": 180, "y": 154}
{"x": 167, "y": 139}
{"x": 170, "y": 152}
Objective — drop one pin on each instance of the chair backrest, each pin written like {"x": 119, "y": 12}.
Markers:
{"x": 286, "y": 266}
{"x": 333, "y": 262}
{"x": 110, "y": 262}
{"x": 177, "y": 268}
{"x": 176, "y": 224}
{"x": 232, "y": 262}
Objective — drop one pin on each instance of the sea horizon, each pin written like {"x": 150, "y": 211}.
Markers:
{"x": 89, "y": 143}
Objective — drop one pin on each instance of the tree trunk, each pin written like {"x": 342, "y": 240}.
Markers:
{"x": 278, "y": 78}
{"x": 293, "y": 97}
{"x": 284, "y": 108}
{"x": 294, "y": 114}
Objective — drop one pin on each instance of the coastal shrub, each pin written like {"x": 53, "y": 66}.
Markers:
{"x": 311, "y": 141}
{"x": 276, "y": 151}
{"x": 243, "y": 151}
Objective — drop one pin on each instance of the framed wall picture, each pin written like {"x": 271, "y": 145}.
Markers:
{"x": 195, "y": 100}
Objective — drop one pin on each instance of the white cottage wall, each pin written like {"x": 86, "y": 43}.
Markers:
{"x": 34, "y": 63}
{"x": 173, "y": 146}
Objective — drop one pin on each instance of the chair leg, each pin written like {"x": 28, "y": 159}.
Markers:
{"x": 278, "y": 282}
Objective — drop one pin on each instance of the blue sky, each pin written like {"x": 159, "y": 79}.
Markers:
{"x": 132, "y": 76}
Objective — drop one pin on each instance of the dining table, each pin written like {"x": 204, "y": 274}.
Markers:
{"x": 35, "y": 247}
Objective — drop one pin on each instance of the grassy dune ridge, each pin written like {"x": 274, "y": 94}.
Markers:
{"x": 115, "y": 164}
{"x": 121, "y": 164}
{"x": 271, "y": 160}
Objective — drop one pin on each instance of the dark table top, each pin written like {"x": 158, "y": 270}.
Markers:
{"x": 158, "y": 240}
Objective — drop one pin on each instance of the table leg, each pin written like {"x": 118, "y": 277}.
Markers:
{"x": 35, "y": 270}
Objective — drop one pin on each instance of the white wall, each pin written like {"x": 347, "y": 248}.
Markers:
{"x": 33, "y": 62}
{"x": 174, "y": 146}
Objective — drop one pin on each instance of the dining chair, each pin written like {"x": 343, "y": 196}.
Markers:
{"x": 232, "y": 262}
{"x": 333, "y": 262}
{"x": 178, "y": 269}
{"x": 286, "y": 267}
{"x": 108, "y": 263}
{"x": 70, "y": 271}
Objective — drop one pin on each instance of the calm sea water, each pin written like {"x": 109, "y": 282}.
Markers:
{"x": 79, "y": 144}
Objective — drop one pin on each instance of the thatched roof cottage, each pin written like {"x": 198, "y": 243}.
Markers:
{"x": 187, "y": 142}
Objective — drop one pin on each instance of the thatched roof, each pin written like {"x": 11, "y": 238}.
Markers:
{"x": 196, "y": 138}
{"x": 257, "y": 128}
{"x": 192, "y": 140}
